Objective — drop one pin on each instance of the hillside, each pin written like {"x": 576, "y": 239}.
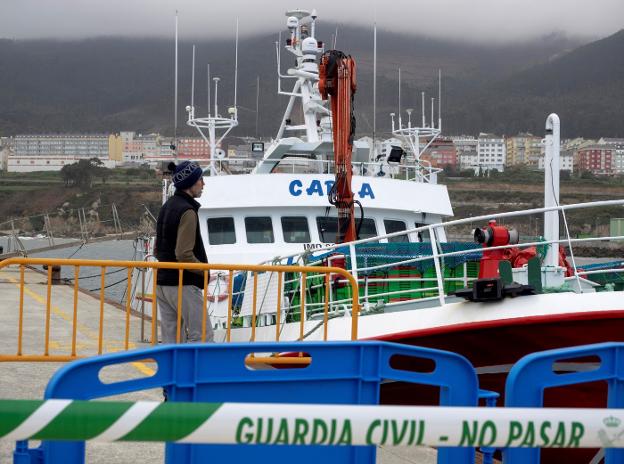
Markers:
{"x": 585, "y": 87}
{"x": 112, "y": 84}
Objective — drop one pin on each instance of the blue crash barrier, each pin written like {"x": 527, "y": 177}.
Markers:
{"x": 339, "y": 373}
{"x": 530, "y": 376}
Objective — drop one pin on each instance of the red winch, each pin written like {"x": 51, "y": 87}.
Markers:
{"x": 494, "y": 236}
{"x": 490, "y": 286}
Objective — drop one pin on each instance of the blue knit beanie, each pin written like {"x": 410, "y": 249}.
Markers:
{"x": 185, "y": 174}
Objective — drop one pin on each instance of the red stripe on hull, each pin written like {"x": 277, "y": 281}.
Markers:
{"x": 399, "y": 337}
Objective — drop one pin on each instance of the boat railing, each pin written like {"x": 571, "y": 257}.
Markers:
{"x": 420, "y": 171}
{"x": 46, "y": 332}
{"x": 438, "y": 283}
{"x": 234, "y": 165}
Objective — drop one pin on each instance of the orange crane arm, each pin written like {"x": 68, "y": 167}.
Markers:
{"x": 337, "y": 80}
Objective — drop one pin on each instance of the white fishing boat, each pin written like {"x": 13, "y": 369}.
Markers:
{"x": 520, "y": 294}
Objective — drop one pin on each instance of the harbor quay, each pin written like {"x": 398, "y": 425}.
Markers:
{"x": 27, "y": 380}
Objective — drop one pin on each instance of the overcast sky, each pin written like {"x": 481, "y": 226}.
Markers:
{"x": 474, "y": 20}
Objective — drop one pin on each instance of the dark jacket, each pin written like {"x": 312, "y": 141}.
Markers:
{"x": 166, "y": 237}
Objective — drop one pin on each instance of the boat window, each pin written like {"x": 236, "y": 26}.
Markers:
{"x": 327, "y": 228}
{"x": 392, "y": 226}
{"x": 295, "y": 229}
{"x": 221, "y": 231}
{"x": 423, "y": 236}
{"x": 368, "y": 229}
{"x": 259, "y": 229}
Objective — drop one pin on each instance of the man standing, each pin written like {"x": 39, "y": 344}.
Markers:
{"x": 178, "y": 240}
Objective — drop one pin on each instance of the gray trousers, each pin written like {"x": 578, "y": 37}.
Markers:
{"x": 192, "y": 314}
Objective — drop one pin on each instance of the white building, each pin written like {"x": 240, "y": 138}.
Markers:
{"x": 566, "y": 160}
{"x": 618, "y": 162}
{"x": 491, "y": 152}
{"x": 46, "y": 163}
{"x": 65, "y": 145}
{"x": 466, "y": 146}
{"x": 464, "y": 143}
{"x": 469, "y": 160}
{"x": 45, "y": 152}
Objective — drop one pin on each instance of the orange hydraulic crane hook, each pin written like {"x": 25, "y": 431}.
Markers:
{"x": 337, "y": 80}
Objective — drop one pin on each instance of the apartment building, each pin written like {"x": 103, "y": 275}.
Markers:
{"x": 441, "y": 153}
{"x": 71, "y": 145}
{"x": 618, "y": 156}
{"x": 129, "y": 146}
{"x": 524, "y": 148}
{"x": 466, "y": 148}
{"x": 195, "y": 148}
{"x": 50, "y": 152}
{"x": 566, "y": 160}
{"x": 491, "y": 152}
{"x": 597, "y": 159}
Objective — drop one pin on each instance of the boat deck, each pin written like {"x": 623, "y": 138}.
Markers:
{"x": 27, "y": 380}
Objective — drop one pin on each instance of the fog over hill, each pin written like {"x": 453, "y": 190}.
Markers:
{"x": 585, "y": 87}
{"x": 112, "y": 84}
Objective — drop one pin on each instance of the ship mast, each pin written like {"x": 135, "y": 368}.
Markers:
{"x": 214, "y": 122}
{"x": 302, "y": 43}
{"x": 418, "y": 139}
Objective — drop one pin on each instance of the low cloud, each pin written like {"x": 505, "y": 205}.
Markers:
{"x": 476, "y": 20}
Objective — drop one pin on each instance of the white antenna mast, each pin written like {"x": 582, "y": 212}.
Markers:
{"x": 374, "y": 82}
{"x": 236, "y": 71}
{"x": 440, "y": 99}
{"x": 208, "y": 86}
{"x": 399, "y": 97}
{"x": 193, "y": 80}
{"x": 432, "y": 104}
{"x": 418, "y": 139}
{"x": 257, "y": 102}
{"x": 175, "y": 91}
{"x": 216, "y": 95}
{"x": 306, "y": 50}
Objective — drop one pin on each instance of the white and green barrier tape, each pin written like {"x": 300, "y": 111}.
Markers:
{"x": 310, "y": 424}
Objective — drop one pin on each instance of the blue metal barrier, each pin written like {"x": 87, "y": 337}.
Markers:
{"x": 339, "y": 373}
{"x": 489, "y": 398}
{"x": 530, "y": 376}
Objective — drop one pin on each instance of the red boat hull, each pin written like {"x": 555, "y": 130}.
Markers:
{"x": 494, "y": 346}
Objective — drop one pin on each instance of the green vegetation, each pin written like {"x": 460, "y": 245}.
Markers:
{"x": 81, "y": 174}
{"x": 88, "y": 186}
